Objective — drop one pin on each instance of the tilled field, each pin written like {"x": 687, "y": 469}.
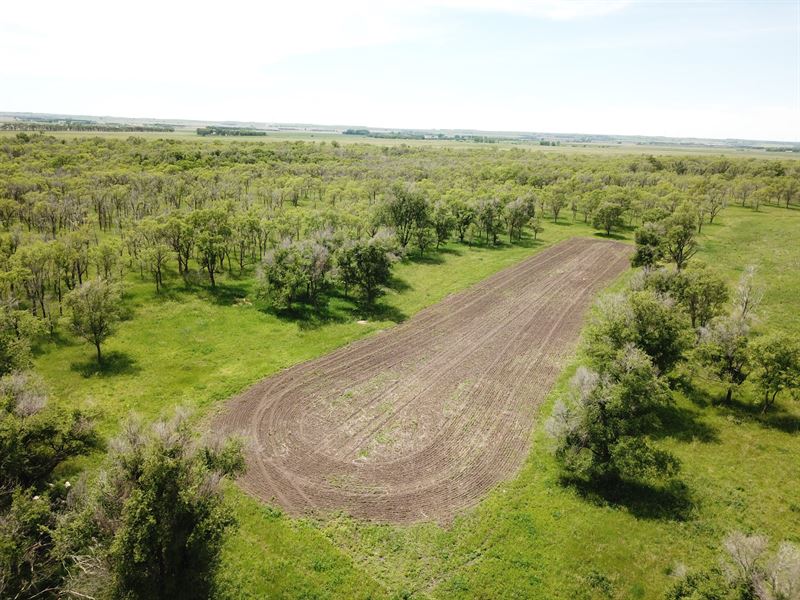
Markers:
{"x": 419, "y": 421}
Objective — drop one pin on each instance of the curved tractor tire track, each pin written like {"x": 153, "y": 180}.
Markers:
{"x": 421, "y": 420}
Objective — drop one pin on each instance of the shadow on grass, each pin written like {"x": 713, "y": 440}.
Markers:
{"x": 698, "y": 396}
{"x": 610, "y": 236}
{"x": 429, "y": 258}
{"x": 59, "y": 338}
{"x": 306, "y": 315}
{"x": 398, "y": 284}
{"x": 669, "y": 502}
{"x": 380, "y": 311}
{"x": 775, "y": 418}
{"x": 335, "y": 307}
{"x": 114, "y": 363}
{"x": 685, "y": 425}
{"x": 226, "y": 294}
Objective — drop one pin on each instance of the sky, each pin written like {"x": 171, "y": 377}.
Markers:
{"x": 626, "y": 67}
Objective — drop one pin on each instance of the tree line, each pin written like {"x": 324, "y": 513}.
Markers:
{"x": 676, "y": 321}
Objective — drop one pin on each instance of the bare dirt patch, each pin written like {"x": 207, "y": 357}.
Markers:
{"x": 419, "y": 421}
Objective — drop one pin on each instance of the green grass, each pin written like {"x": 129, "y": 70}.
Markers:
{"x": 196, "y": 347}
{"x": 532, "y": 537}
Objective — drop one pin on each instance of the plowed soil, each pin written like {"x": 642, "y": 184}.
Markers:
{"x": 421, "y": 420}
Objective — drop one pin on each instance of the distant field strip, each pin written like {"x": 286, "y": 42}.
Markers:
{"x": 419, "y": 421}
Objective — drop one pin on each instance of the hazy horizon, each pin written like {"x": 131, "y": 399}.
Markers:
{"x": 674, "y": 69}
{"x": 332, "y": 126}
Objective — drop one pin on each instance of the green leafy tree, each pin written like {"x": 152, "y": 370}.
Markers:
{"x": 644, "y": 319}
{"x": 776, "y": 361}
{"x": 489, "y": 218}
{"x": 516, "y": 214}
{"x": 156, "y": 259}
{"x": 464, "y": 214}
{"x": 701, "y": 291}
{"x": 17, "y": 329}
{"x": 608, "y": 216}
{"x": 157, "y": 519}
{"x": 649, "y": 239}
{"x": 106, "y": 257}
{"x": 679, "y": 237}
{"x": 179, "y": 234}
{"x": 366, "y": 264}
{"x": 405, "y": 207}
{"x": 724, "y": 350}
{"x": 556, "y": 200}
{"x": 95, "y": 310}
{"x": 34, "y": 440}
{"x": 283, "y": 274}
{"x": 212, "y": 233}
{"x": 601, "y": 428}
{"x": 443, "y": 222}
{"x": 536, "y": 227}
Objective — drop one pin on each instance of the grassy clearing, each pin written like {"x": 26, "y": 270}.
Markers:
{"x": 196, "y": 348}
{"x": 531, "y": 537}
{"x": 534, "y": 538}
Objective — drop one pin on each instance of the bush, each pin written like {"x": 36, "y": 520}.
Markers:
{"x": 600, "y": 428}
{"x": 155, "y": 522}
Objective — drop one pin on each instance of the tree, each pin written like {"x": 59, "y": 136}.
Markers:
{"x": 424, "y": 238}
{"x": 443, "y": 222}
{"x": 715, "y": 202}
{"x": 96, "y": 309}
{"x": 556, "y": 200}
{"x": 34, "y": 440}
{"x": 536, "y": 226}
{"x": 405, "y": 207}
{"x": 180, "y": 236}
{"x": 679, "y": 237}
{"x": 156, "y": 258}
{"x": 746, "y": 572}
{"x": 156, "y": 521}
{"x": 608, "y": 216}
{"x": 283, "y": 274}
{"x": 366, "y": 264}
{"x": 724, "y": 349}
{"x": 701, "y": 291}
{"x": 776, "y": 361}
{"x": 489, "y": 218}
{"x": 748, "y": 294}
{"x": 642, "y": 318}
{"x": 106, "y": 256}
{"x": 17, "y": 328}
{"x": 516, "y": 214}
{"x": 649, "y": 240}
{"x": 316, "y": 261}
{"x": 464, "y": 215}
{"x": 211, "y": 238}
{"x": 601, "y": 427}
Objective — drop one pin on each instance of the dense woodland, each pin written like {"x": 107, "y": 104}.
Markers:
{"x": 82, "y": 218}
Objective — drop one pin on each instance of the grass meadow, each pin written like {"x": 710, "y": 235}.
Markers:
{"x": 531, "y": 537}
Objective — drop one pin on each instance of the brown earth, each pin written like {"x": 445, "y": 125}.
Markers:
{"x": 421, "y": 420}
